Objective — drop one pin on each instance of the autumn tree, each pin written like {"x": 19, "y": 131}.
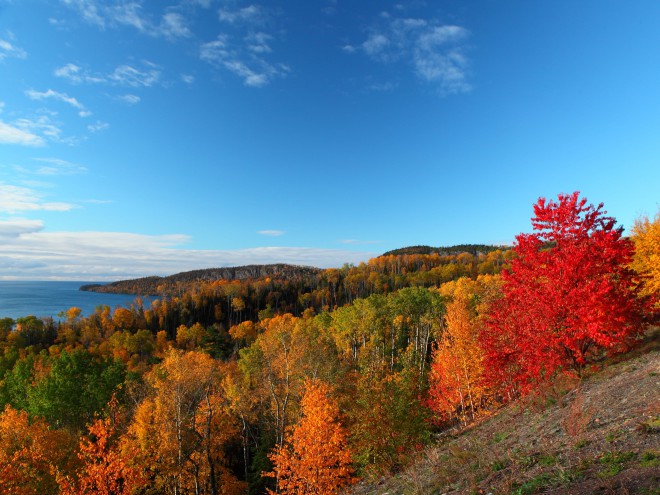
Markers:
{"x": 646, "y": 260}
{"x": 182, "y": 427}
{"x": 31, "y": 454}
{"x": 285, "y": 353}
{"x": 315, "y": 458}
{"x": 456, "y": 388}
{"x": 567, "y": 296}
{"x": 106, "y": 469}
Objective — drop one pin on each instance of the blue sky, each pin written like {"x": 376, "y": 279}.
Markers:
{"x": 141, "y": 138}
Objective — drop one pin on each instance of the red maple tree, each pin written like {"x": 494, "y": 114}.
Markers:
{"x": 568, "y": 295}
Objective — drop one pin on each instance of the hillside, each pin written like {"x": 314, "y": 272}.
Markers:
{"x": 473, "y": 249}
{"x": 602, "y": 436}
{"x": 482, "y": 258}
{"x": 150, "y": 285}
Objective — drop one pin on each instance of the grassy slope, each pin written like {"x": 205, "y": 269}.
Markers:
{"x": 603, "y": 437}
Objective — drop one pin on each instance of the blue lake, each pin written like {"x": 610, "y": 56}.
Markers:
{"x": 43, "y": 299}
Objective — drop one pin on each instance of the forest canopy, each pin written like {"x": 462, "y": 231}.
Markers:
{"x": 227, "y": 381}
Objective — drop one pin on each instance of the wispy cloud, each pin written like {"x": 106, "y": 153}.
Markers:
{"x": 44, "y": 127}
{"x": 436, "y": 52}
{"x": 244, "y": 45}
{"x": 127, "y": 75}
{"x": 252, "y": 14}
{"x": 271, "y": 233}
{"x": 174, "y": 25}
{"x": 98, "y": 126}
{"x": 384, "y": 87}
{"x": 18, "y": 199}
{"x": 124, "y": 75}
{"x": 116, "y": 14}
{"x": 88, "y": 10}
{"x": 129, "y": 99}
{"x": 241, "y": 61}
{"x": 40, "y": 255}
{"x": 55, "y": 95}
{"x": 259, "y": 42}
{"x": 57, "y": 166}
{"x": 77, "y": 74}
{"x": 10, "y": 50}
{"x": 10, "y": 134}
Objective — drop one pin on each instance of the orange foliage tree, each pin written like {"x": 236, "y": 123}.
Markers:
{"x": 31, "y": 454}
{"x": 646, "y": 260}
{"x": 456, "y": 388}
{"x": 106, "y": 469}
{"x": 315, "y": 458}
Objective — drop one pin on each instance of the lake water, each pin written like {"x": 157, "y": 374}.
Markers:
{"x": 43, "y": 299}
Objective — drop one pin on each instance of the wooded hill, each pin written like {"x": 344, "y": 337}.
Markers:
{"x": 484, "y": 259}
{"x": 154, "y": 285}
{"x": 223, "y": 297}
{"x": 305, "y": 382}
{"x": 474, "y": 249}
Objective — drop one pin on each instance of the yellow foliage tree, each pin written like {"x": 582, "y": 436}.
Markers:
{"x": 456, "y": 390}
{"x": 315, "y": 459}
{"x": 183, "y": 426}
{"x": 646, "y": 260}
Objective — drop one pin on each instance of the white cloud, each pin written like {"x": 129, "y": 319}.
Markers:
{"x": 98, "y": 126}
{"x": 258, "y": 42}
{"x": 115, "y": 14}
{"x": 127, "y": 75}
{"x": 376, "y": 45}
{"x": 8, "y": 50}
{"x": 13, "y": 135}
{"x": 123, "y": 75}
{"x": 88, "y": 10}
{"x": 272, "y": 233}
{"x": 55, "y": 95}
{"x": 127, "y": 14}
{"x": 17, "y": 199}
{"x": 251, "y": 67}
{"x": 129, "y": 99}
{"x": 116, "y": 255}
{"x": 252, "y": 14}
{"x": 187, "y": 78}
{"x": 215, "y": 51}
{"x": 245, "y": 52}
{"x": 174, "y": 25}
{"x": 56, "y": 166}
{"x": 77, "y": 74}
{"x": 436, "y": 52}
{"x": 16, "y": 227}
{"x": 42, "y": 125}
